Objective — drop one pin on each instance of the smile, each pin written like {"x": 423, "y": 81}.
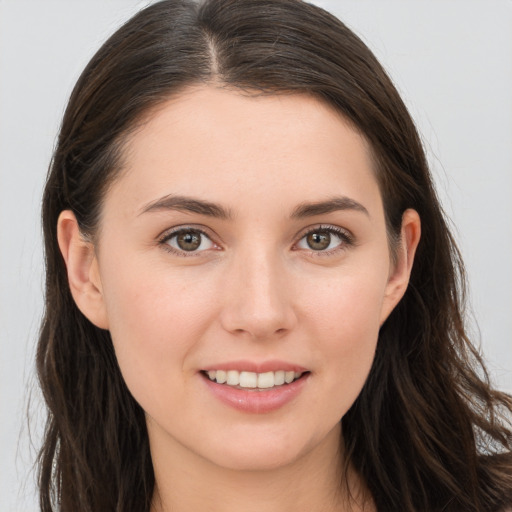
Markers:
{"x": 256, "y": 392}
{"x": 253, "y": 380}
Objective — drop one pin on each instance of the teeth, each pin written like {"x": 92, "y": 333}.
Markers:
{"x": 266, "y": 380}
{"x": 279, "y": 378}
{"x": 253, "y": 380}
{"x": 248, "y": 380}
{"x": 289, "y": 376}
{"x": 233, "y": 378}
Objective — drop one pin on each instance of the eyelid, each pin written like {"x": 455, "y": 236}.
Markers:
{"x": 184, "y": 227}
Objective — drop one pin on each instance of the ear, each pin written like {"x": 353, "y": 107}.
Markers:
{"x": 82, "y": 268}
{"x": 401, "y": 271}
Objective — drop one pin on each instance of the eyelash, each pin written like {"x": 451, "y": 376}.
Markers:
{"x": 346, "y": 238}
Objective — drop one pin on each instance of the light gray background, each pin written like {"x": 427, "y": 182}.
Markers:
{"x": 452, "y": 62}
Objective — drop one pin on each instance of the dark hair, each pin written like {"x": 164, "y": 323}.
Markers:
{"x": 427, "y": 433}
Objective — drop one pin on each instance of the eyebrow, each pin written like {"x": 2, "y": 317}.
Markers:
{"x": 188, "y": 204}
{"x": 333, "y": 204}
{"x": 303, "y": 210}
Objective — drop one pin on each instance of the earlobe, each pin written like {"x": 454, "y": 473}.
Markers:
{"x": 401, "y": 271}
{"x": 82, "y": 268}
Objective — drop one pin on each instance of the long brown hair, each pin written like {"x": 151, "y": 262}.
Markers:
{"x": 427, "y": 433}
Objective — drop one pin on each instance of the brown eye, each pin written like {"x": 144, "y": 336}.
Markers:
{"x": 189, "y": 240}
{"x": 325, "y": 240}
{"x": 318, "y": 241}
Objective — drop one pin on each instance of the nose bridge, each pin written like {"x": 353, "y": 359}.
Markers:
{"x": 257, "y": 296}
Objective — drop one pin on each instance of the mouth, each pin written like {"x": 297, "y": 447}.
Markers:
{"x": 256, "y": 388}
{"x": 252, "y": 381}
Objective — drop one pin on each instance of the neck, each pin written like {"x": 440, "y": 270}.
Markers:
{"x": 186, "y": 481}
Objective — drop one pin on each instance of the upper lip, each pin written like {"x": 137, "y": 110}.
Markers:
{"x": 256, "y": 367}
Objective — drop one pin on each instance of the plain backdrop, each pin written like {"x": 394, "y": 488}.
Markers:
{"x": 452, "y": 62}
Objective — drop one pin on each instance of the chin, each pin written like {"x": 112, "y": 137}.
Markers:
{"x": 254, "y": 460}
{"x": 267, "y": 452}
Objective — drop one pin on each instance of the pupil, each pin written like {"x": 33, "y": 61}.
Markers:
{"x": 319, "y": 241}
{"x": 189, "y": 241}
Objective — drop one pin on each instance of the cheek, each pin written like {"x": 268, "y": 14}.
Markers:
{"x": 153, "y": 306}
{"x": 155, "y": 322}
{"x": 350, "y": 306}
{"x": 345, "y": 323}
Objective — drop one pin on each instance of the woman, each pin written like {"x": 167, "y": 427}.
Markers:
{"x": 253, "y": 299}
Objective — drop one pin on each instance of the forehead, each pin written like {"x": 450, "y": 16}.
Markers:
{"x": 221, "y": 144}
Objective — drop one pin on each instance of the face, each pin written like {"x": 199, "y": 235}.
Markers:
{"x": 244, "y": 240}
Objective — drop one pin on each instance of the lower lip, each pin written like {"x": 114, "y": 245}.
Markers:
{"x": 254, "y": 401}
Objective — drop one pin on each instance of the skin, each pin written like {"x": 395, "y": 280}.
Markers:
{"x": 255, "y": 290}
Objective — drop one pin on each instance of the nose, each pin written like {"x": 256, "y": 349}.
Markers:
{"x": 257, "y": 298}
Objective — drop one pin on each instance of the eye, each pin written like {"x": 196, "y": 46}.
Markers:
{"x": 325, "y": 239}
{"x": 187, "y": 240}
